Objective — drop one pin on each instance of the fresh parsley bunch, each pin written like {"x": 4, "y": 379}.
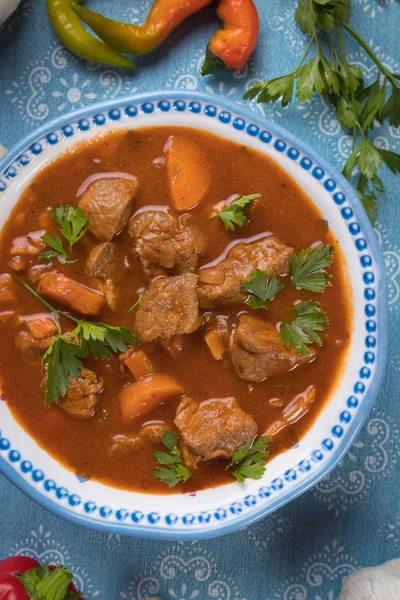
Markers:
{"x": 330, "y": 74}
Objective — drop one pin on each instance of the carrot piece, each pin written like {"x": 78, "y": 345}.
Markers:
{"x": 142, "y": 396}
{"x": 66, "y": 291}
{"x": 215, "y": 343}
{"x": 139, "y": 364}
{"x": 188, "y": 173}
{"x": 39, "y": 326}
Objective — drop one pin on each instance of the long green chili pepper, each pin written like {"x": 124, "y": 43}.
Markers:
{"x": 72, "y": 33}
{"x": 164, "y": 17}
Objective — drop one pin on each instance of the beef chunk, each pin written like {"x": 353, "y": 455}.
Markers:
{"x": 258, "y": 352}
{"x": 213, "y": 428}
{"x": 151, "y": 432}
{"x": 221, "y": 285}
{"x": 31, "y": 345}
{"x": 101, "y": 260}
{"x": 81, "y": 398}
{"x": 108, "y": 204}
{"x": 162, "y": 244}
{"x": 169, "y": 306}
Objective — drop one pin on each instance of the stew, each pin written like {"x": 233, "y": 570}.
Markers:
{"x": 174, "y": 308}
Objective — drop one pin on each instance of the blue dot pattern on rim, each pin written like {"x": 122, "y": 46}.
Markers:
{"x": 74, "y": 500}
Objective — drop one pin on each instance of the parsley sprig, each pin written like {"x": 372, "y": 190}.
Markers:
{"x": 234, "y": 213}
{"x": 261, "y": 288}
{"x": 330, "y": 74}
{"x": 63, "y": 356}
{"x": 170, "y": 469}
{"x": 308, "y": 268}
{"x": 302, "y": 331}
{"x": 43, "y": 583}
{"x": 71, "y": 221}
{"x": 248, "y": 461}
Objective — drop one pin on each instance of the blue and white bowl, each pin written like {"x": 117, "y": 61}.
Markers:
{"x": 225, "y": 509}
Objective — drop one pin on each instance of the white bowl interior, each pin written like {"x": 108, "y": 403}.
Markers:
{"x": 298, "y": 460}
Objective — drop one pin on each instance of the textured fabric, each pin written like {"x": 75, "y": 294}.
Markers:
{"x": 350, "y": 519}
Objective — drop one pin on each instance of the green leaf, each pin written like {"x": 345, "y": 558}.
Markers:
{"x": 248, "y": 461}
{"x": 373, "y": 108}
{"x": 369, "y": 159}
{"x": 42, "y": 583}
{"x": 175, "y": 471}
{"x": 306, "y": 16}
{"x": 261, "y": 289}
{"x": 391, "y": 159}
{"x": 63, "y": 363}
{"x": 71, "y": 220}
{"x": 310, "y": 79}
{"x": 100, "y": 339}
{"x": 392, "y": 107}
{"x": 308, "y": 268}
{"x": 302, "y": 331}
{"x": 57, "y": 251}
{"x": 347, "y": 111}
{"x": 233, "y": 214}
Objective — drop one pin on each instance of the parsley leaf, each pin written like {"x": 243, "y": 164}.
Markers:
{"x": 63, "y": 364}
{"x": 43, "y": 583}
{"x": 261, "y": 289}
{"x": 234, "y": 213}
{"x": 58, "y": 250}
{"x": 302, "y": 331}
{"x": 175, "y": 471}
{"x": 62, "y": 358}
{"x": 71, "y": 221}
{"x": 248, "y": 461}
{"x": 100, "y": 339}
{"x": 308, "y": 268}
{"x": 328, "y": 72}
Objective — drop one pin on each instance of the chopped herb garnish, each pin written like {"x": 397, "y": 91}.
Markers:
{"x": 43, "y": 583}
{"x": 301, "y": 332}
{"x": 248, "y": 461}
{"x": 174, "y": 470}
{"x": 234, "y": 213}
{"x": 308, "y": 268}
{"x": 71, "y": 221}
{"x": 261, "y": 289}
{"x": 137, "y": 303}
{"x": 62, "y": 357}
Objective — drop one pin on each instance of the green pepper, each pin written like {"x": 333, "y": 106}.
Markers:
{"x": 70, "y": 30}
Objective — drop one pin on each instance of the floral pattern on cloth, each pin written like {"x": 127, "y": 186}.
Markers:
{"x": 351, "y": 518}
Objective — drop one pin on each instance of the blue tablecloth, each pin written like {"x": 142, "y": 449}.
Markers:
{"x": 352, "y": 518}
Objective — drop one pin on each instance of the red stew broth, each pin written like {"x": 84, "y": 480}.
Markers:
{"x": 284, "y": 209}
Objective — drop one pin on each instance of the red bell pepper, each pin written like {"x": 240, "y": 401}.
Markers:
{"x": 12, "y": 589}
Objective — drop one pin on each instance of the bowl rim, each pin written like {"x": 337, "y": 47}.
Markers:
{"x": 250, "y": 515}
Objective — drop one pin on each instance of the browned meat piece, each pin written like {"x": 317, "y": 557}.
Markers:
{"x": 101, "y": 260}
{"x": 258, "y": 352}
{"x": 108, "y": 204}
{"x": 221, "y": 285}
{"x": 32, "y": 346}
{"x": 162, "y": 244}
{"x": 81, "y": 398}
{"x": 213, "y": 428}
{"x": 152, "y": 432}
{"x": 168, "y": 306}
